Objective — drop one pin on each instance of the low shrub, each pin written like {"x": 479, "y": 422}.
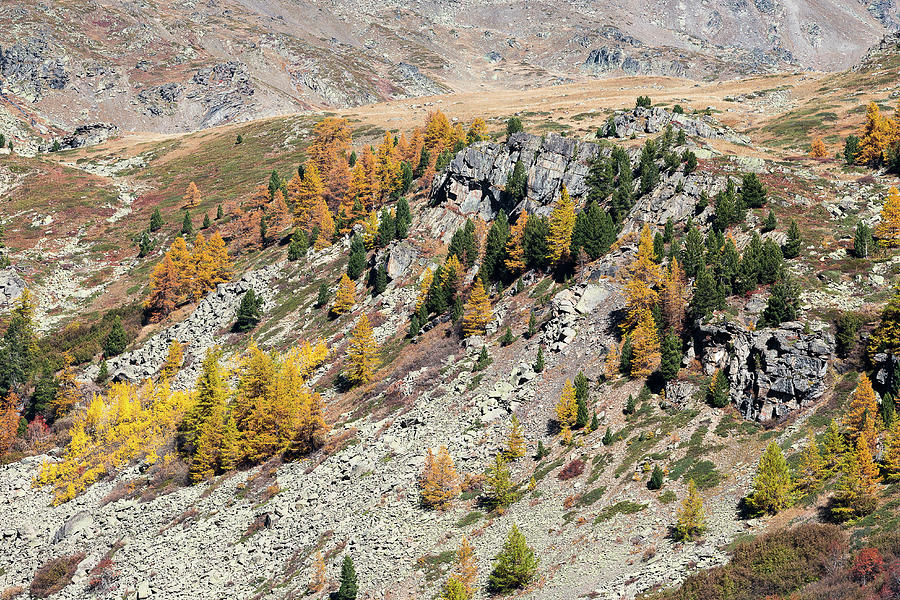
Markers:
{"x": 571, "y": 470}
{"x": 54, "y": 575}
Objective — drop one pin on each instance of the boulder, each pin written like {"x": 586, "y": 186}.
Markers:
{"x": 80, "y": 522}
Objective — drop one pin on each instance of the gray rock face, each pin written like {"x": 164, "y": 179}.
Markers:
{"x": 400, "y": 256}
{"x": 624, "y": 124}
{"x": 609, "y": 59}
{"x": 31, "y": 68}
{"x": 771, "y": 371}
{"x": 86, "y": 135}
{"x": 11, "y": 287}
{"x": 477, "y": 175}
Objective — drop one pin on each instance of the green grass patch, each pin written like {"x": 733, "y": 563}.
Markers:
{"x": 620, "y": 508}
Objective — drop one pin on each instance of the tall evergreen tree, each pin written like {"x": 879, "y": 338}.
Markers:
{"x": 156, "y": 220}
{"x": 772, "y": 487}
{"x": 783, "y": 304}
{"x": 517, "y": 182}
{"x": 752, "y": 191}
{"x": 187, "y": 228}
{"x": 403, "y": 218}
{"x": 495, "y": 248}
{"x": 514, "y": 566}
{"x": 357, "y": 262}
{"x": 116, "y": 340}
{"x": 670, "y": 362}
{"x": 649, "y": 171}
{"x": 249, "y": 312}
{"x": 791, "y": 247}
{"x": 349, "y": 587}
{"x": 863, "y": 242}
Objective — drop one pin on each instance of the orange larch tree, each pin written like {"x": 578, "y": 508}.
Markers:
{"x": 439, "y": 482}
{"x": 362, "y": 352}
{"x": 345, "y": 298}
{"x": 477, "y": 312}
{"x": 887, "y": 231}
{"x": 192, "y": 195}
{"x": 645, "y": 346}
{"x": 515, "y": 252}
{"x": 562, "y": 224}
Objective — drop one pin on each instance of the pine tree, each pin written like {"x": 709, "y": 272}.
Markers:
{"x": 357, "y": 262}
{"x": 863, "y": 240}
{"x": 538, "y": 365}
{"x": 857, "y": 492}
{"x": 517, "y": 183}
{"x": 567, "y": 407}
{"x": 645, "y": 341}
{"x": 362, "y": 352}
{"x": 513, "y": 126}
{"x": 380, "y": 279}
{"x": 495, "y": 249}
{"x": 862, "y": 403}
{"x": 116, "y": 339}
{"x": 717, "y": 392}
{"x": 626, "y": 354}
{"x": 656, "y": 479}
{"x": 887, "y": 231}
{"x": 187, "y": 228}
{"x": 582, "y": 417}
{"x": 206, "y": 221}
{"x": 345, "y": 298}
{"x": 608, "y": 437}
{"x": 298, "y": 246}
{"x": 670, "y": 362}
{"x": 772, "y": 486}
{"x": 507, "y": 338}
{"x": 219, "y": 213}
{"x": 691, "y": 521}
{"x": 771, "y": 223}
{"x": 477, "y": 311}
{"x": 595, "y": 422}
{"x": 532, "y": 325}
{"x": 515, "y": 440}
{"x": 535, "y": 245}
{"x": 322, "y": 298}
{"x": 791, "y": 247}
{"x": 439, "y": 482}
{"x": 249, "y": 312}
{"x": 752, "y": 191}
{"x": 811, "y": 470}
{"x": 404, "y": 217}
{"x": 692, "y": 252}
{"x": 499, "y": 483}
{"x": 783, "y": 303}
{"x": 630, "y": 405}
{"x": 562, "y": 224}
{"x": 514, "y": 566}
{"x": 145, "y": 246}
{"x": 349, "y": 587}
{"x": 103, "y": 373}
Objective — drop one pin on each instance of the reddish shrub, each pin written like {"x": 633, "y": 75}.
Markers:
{"x": 867, "y": 565}
{"x": 54, "y": 575}
{"x": 571, "y": 470}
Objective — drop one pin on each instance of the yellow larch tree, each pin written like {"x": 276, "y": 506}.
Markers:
{"x": 811, "y": 470}
{"x": 877, "y": 135}
{"x": 424, "y": 286}
{"x": 643, "y": 275}
{"x": 184, "y": 263}
{"x": 674, "y": 297}
{"x": 691, "y": 519}
{"x": 857, "y": 491}
{"x": 318, "y": 581}
{"x": 164, "y": 290}
{"x": 817, "y": 148}
{"x": 887, "y": 231}
{"x": 173, "y": 362}
{"x": 322, "y": 220}
{"x": 9, "y": 421}
{"x": 515, "y": 252}
{"x": 515, "y": 440}
{"x": 562, "y": 224}
{"x": 567, "y": 407}
{"x": 477, "y": 312}
{"x": 437, "y": 132}
{"x": 439, "y": 482}
{"x": 863, "y": 401}
{"x": 645, "y": 346}
{"x": 388, "y": 167}
{"x": 478, "y": 131}
{"x": 613, "y": 360}
{"x": 345, "y": 298}
{"x": 370, "y": 230}
{"x": 68, "y": 390}
{"x": 192, "y": 195}
{"x": 308, "y": 195}
{"x": 465, "y": 570}
{"x": 362, "y": 352}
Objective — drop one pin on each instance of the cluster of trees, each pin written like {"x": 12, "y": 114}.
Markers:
{"x": 879, "y": 141}
{"x": 845, "y": 450}
{"x": 129, "y": 422}
{"x": 184, "y": 275}
{"x": 270, "y": 411}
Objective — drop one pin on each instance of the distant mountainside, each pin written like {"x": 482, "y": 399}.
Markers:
{"x": 177, "y": 66}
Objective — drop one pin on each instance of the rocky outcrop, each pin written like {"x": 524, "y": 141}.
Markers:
{"x": 477, "y": 175}
{"x": 476, "y": 178}
{"x": 611, "y": 59}
{"x": 85, "y": 135}
{"x": 11, "y": 287}
{"x": 30, "y": 68}
{"x": 772, "y": 371}
{"x": 625, "y": 124}
{"x": 200, "y": 331}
